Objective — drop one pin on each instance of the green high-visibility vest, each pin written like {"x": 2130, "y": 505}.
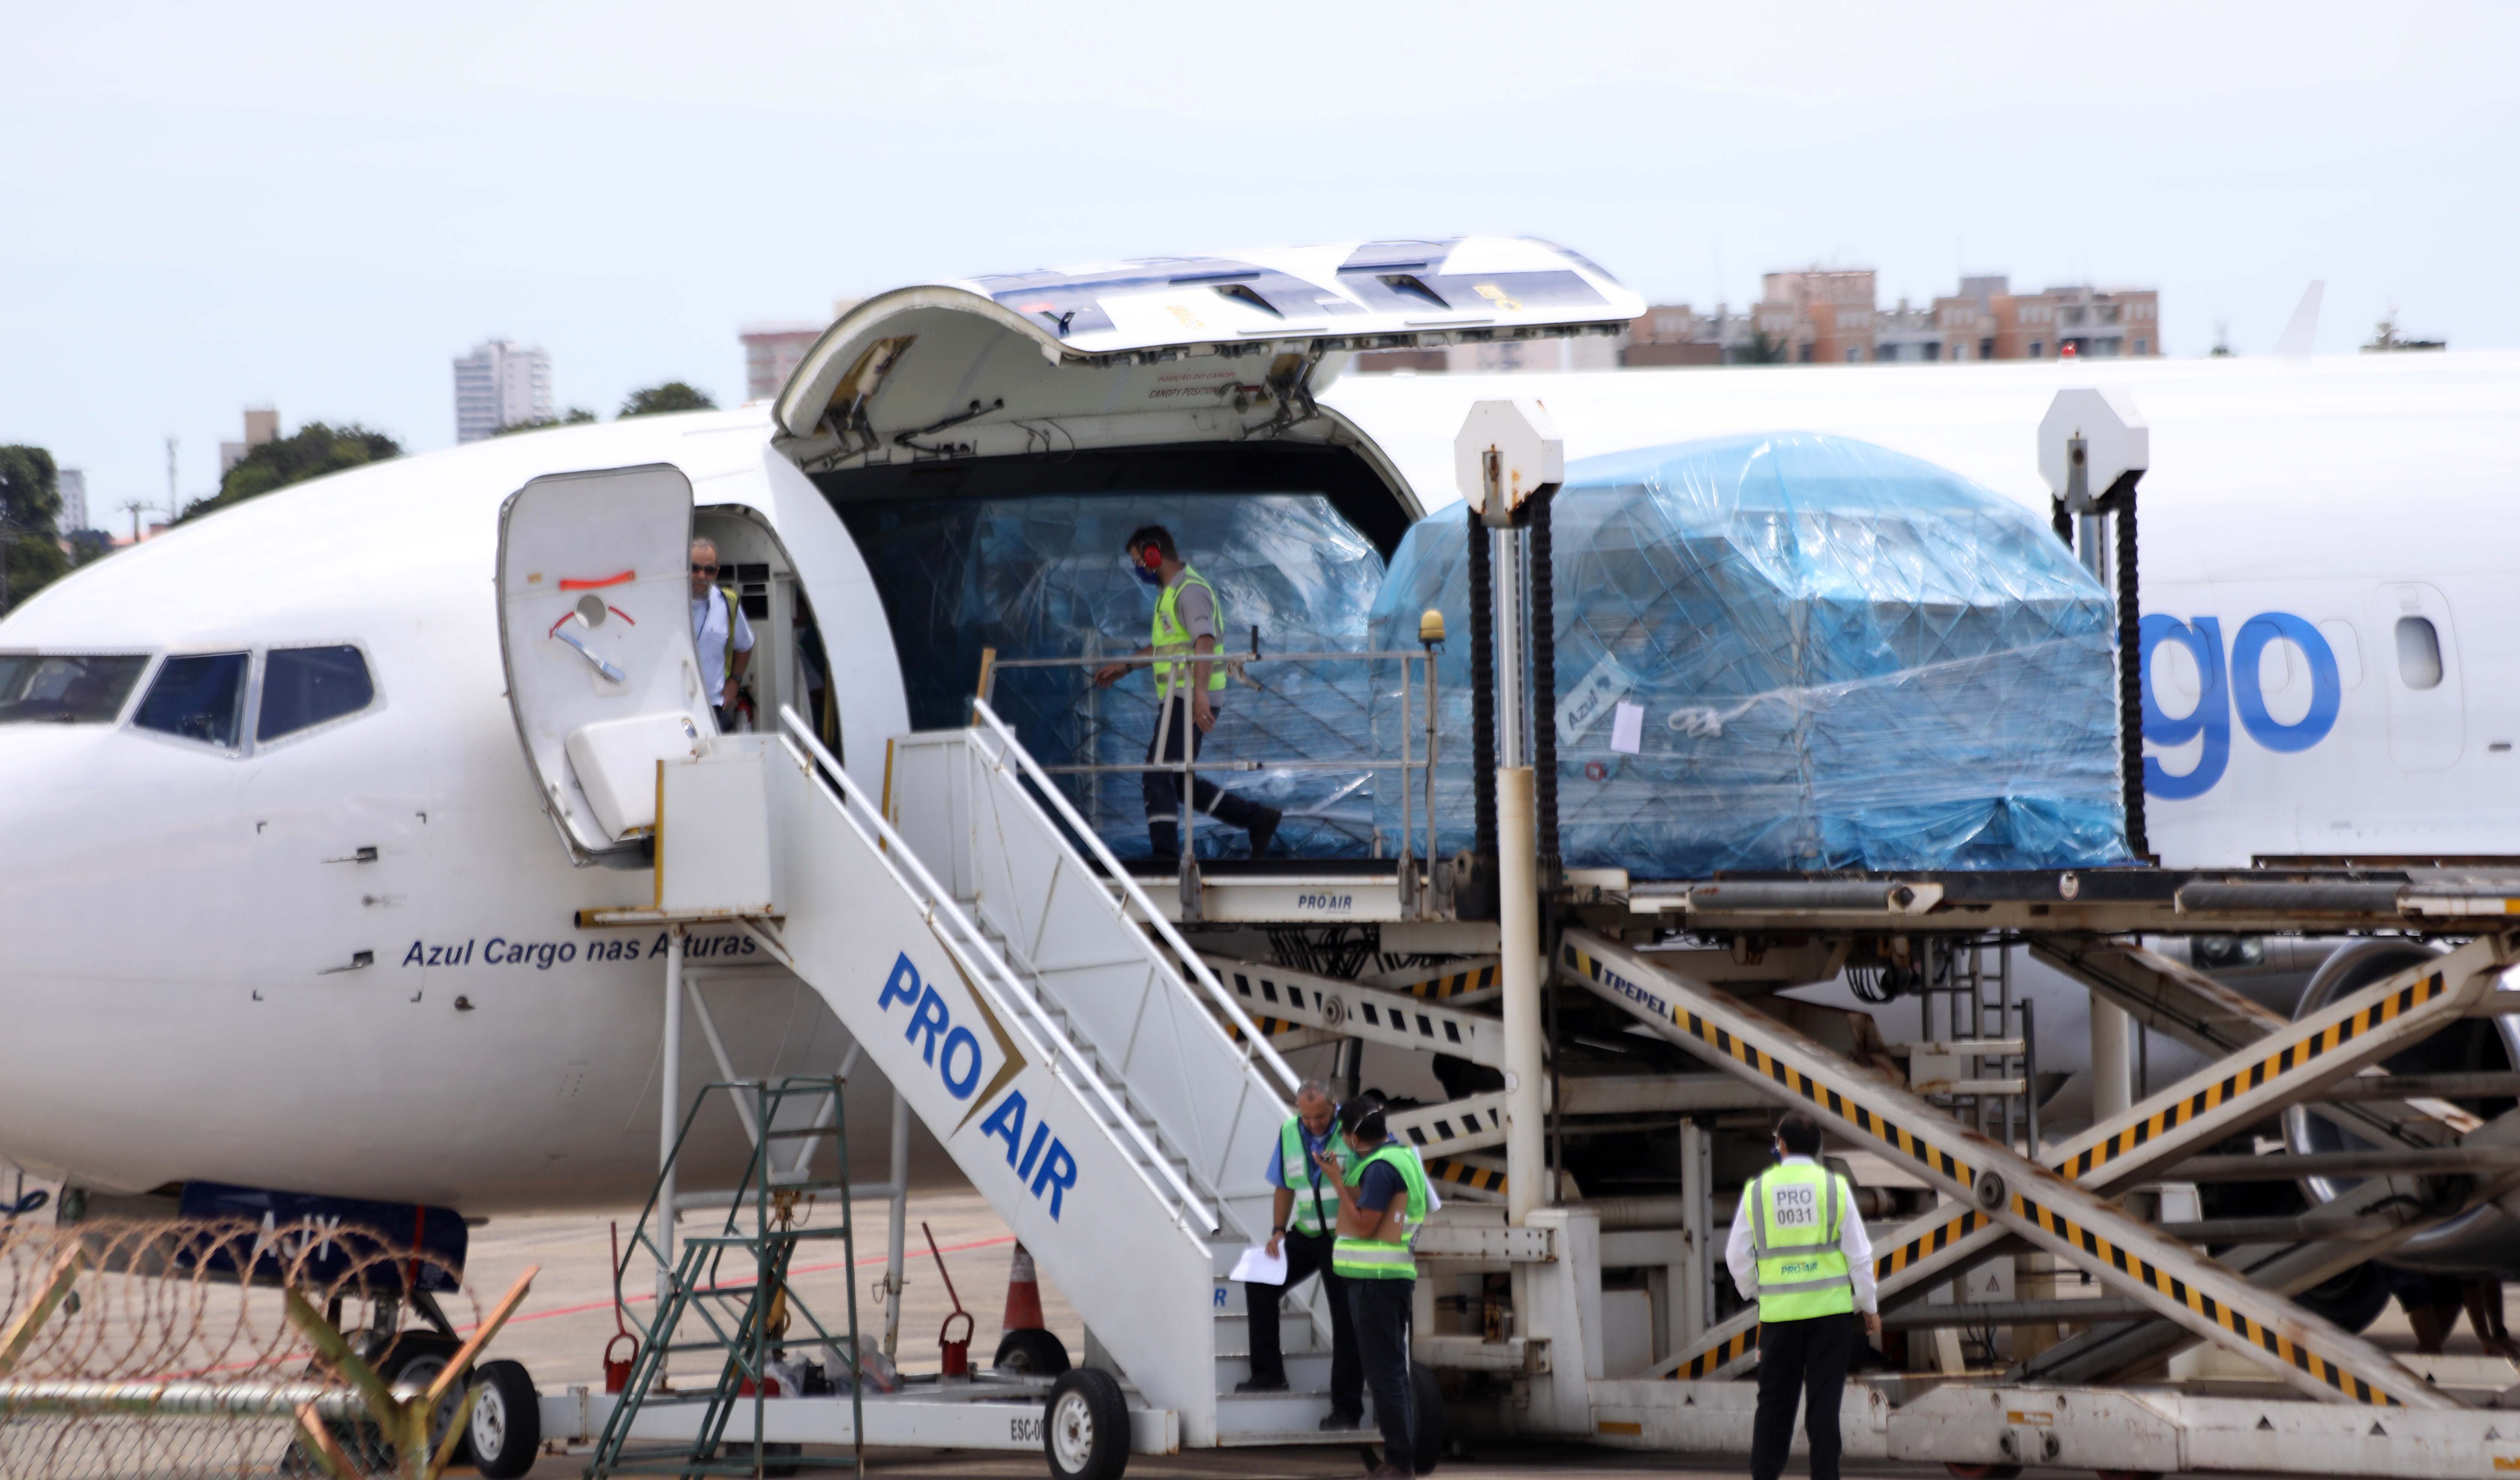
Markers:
{"x": 1797, "y": 1211}
{"x": 1378, "y": 1258}
{"x": 1172, "y": 636}
{"x": 1316, "y": 1207}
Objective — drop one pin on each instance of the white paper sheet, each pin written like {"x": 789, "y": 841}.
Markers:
{"x": 1256, "y": 1266}
{"x": 1627, "y": 729}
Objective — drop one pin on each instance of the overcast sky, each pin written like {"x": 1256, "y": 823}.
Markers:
{"x": 319, "y": 205}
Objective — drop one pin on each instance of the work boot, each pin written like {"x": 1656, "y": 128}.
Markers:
{"x": 1340, "y": 1423}
{"x": 1261, "y": 1385}
{"x": 1264, "y": 830}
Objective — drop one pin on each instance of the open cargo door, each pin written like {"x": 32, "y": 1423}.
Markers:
{"x": 1165, "y": 349}
{"x": 595, "y": 631}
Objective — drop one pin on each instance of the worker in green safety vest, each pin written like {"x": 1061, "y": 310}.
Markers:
{"x": 1383, "y": 1201}
{"x": 1304, "y": 1218}
{"x": 1799, "y": 1249}
{"x": 1189, "y": 624}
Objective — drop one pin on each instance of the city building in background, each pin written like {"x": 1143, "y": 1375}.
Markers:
{"x": 773, "y": 350}
{"x": 1832, "y": 316}
{"x": 500, "y": 384}
{"x": 73, "y": 487}
{"x": 261, "y": 425}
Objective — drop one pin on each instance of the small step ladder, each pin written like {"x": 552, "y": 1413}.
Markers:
{"x": 747, "y": 1305}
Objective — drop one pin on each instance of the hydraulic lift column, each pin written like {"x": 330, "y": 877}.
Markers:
{"x": 2086, "y": 434}
{"x": 1507, "y": 459}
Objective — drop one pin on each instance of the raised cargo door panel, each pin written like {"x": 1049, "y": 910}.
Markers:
{"x": 595, "y": 631}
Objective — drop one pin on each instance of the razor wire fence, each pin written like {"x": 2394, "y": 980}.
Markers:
{"x": 199, "y": 1348}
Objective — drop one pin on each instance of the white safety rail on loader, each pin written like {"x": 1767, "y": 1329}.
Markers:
{"x": 2132, "y": 1258}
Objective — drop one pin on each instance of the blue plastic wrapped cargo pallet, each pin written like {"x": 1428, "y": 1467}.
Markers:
{"x": 1048, "y": 577}
{"x": 1793, "y": 651}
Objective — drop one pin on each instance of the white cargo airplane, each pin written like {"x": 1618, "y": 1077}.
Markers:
{"x": 284, "y": 901}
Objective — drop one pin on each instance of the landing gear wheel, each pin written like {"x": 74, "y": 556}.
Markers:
{"x": 1086, "y": 1426}
{"x": 1426, "y": 1417}
{"x": 2353, "y": 1300}
{"x": 415, "y": 1359}
{"x": 1983, "y": 1471}
{"x": 506, "y": 1427}
{"x": 1032, "y": 1354}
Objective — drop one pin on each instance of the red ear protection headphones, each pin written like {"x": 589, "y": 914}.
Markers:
{"x": 1152, "y": 556}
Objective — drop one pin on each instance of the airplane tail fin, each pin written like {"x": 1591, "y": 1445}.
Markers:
{"x": 2304, "y": 328}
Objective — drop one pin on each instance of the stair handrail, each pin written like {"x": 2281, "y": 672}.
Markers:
{"x": 1258, "y": 1044}
{"x": 992, "y": 976}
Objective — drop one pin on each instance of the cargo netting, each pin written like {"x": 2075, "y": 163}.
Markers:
{"x": 1048, "y": 577}
{"x": 1794, "y": 652}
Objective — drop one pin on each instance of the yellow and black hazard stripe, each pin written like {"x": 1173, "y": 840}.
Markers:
{"x": 1269, "y": 1027}
{"x": 1463, "y": 1173}
{"x": 2239, "y": 1323}
{"x": 1759, "y": 1061}
{"x": 1437, "y": 988}
{"x": 1886, "y": 1263}
{"x": 1716, "y": 1358}
{"x": 2239, "y": 1081}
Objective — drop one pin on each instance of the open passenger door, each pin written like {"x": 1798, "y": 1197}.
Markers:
{"x": 595, "y": 632}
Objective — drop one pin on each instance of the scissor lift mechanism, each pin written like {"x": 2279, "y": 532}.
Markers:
{"x": 2168, "y": 1294}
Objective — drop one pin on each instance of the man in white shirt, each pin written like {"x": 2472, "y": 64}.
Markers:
{"x": 720, "y": 632}
{"x": 1798, "y": 1247}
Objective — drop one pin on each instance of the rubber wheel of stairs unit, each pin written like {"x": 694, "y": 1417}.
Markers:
{"x": 1085, "y": 1429}
{"x": 507, "y": 1422}
{"x": 1427, "y": 1415}
{"x": 1033, "y": 1353}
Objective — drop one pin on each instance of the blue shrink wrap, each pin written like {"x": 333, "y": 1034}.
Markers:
{"x": 1048, "y": 577}
{"x": 1793, "y": 651}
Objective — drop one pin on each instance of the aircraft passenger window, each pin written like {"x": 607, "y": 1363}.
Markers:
{"x": 200, "y": 698}
{"x": 2418, "y": 652}
{"x": 303, "y": 686}
{"x": 63, "y": 689}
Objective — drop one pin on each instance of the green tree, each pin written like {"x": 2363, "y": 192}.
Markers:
{"x": 312, "y": 451}
{"x": 1761, "y": 350}
{"x": 88, "y": 546}
{"x": 673, "y": 396}
{"x": 30, "y": 509}
{"x": 573, "y": 416}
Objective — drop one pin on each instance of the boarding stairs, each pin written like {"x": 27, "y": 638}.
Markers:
{"x": 1086, "y": 1071}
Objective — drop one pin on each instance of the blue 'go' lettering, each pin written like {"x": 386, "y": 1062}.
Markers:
{"x": 2324, "y": 690}
{"x": 2212, "y": 716}
{"x": 2217, "y": 699}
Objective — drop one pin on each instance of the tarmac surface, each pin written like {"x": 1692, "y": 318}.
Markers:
{"x": 561, "y": 1332}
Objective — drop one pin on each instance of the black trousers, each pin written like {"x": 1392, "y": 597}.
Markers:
{"x": 1308, "y": 1254}
{"x": 1382, "y": 1308}
{"x": 1801, "y": 1361}
{"x": 1163, "y": 794}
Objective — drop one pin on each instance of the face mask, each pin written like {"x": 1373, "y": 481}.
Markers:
{"x": 1148, "y": 577}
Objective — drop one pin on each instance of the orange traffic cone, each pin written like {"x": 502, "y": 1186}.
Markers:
{"x": 1023, "y": 1294}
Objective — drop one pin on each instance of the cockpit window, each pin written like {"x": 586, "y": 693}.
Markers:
{"x": 303, "y": 686}
{"x": 197, "y": 697}
{"x": 65, "y": 690}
